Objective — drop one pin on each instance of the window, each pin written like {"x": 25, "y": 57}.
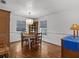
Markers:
{"x": 43, "y": 27}
{"x": 21, "y": 25}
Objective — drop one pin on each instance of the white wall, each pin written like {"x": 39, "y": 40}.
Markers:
{"x": 44, "y": 37}
{"x": 15, "y": 35}
{"x": 60, "y": 23}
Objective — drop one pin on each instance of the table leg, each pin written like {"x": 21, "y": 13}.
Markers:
{"x": 29, "y": 43}
{"x": 22, "y": 42}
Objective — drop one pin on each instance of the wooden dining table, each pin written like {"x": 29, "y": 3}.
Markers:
{"x": 29, "y": 37}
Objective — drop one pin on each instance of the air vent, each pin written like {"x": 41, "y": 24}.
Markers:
{"x": 3, "y": 1}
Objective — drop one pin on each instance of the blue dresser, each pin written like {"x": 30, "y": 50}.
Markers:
{"x": 70, "y": 47}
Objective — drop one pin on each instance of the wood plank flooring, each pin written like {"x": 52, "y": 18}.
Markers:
{"x": 46, "y": 50}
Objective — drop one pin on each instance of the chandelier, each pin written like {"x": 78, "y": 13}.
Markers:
{"x": 29, "y": 21}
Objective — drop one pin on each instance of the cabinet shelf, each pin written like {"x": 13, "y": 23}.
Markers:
{"x": 34, "y": 27}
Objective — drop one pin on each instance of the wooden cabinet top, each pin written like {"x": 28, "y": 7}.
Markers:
{"x": 4, "y": 10}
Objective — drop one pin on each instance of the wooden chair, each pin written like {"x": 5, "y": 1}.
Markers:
{"x": 39, "y": 38}
{"x": 4, "y": 48}
{"x": 37, "y": 41}
{"x": 23, "y": 38}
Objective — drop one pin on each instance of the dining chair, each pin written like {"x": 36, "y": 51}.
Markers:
{"x": 23, "y": 39}
{"x": 38, "y": 39}
{"x": 4, "y": 48}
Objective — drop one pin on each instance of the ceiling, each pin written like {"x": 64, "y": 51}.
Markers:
{"x": 39, "y": 7}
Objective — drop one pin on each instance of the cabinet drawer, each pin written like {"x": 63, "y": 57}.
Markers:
{"x": 70, "y": 54}
{"x": 73, "y": 46}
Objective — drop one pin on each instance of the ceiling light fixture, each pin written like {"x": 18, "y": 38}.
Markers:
{"x": 29, "y": 21}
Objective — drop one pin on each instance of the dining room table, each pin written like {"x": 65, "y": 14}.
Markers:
{"x": 29, "y": 37}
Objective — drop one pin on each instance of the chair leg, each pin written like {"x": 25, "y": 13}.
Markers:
{"x": 22, "y": 43}
{"x": 32, "y": 43}
{"x": 6, "y": 55}
{"x": 40, "y": 42}
{"x": 1, "y": 56}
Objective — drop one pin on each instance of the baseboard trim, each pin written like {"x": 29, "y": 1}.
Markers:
{"x": 15, "y": 41}
{"x": 51, "y": 43}
{"x": 43, "y": 41}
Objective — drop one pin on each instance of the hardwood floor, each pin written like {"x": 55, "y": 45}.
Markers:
{"x": 46, "y": 50}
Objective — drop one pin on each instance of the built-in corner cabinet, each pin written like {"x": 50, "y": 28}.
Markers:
{"x": 34, "y": 27}
{"x": 5, "y": 25}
